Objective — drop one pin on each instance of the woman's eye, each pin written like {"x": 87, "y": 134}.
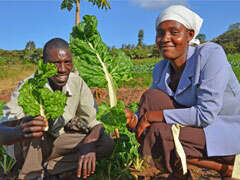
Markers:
{"x": 160, "y": 33}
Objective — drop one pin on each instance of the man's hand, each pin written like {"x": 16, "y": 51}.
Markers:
{"x": 33, "y": 127}
{"x": 87, "y": 152}
{"x": 131, "y": 119}
{"x": 87, "y": 160}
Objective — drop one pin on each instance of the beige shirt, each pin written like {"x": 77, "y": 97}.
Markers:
{"x": 80, "y": 103}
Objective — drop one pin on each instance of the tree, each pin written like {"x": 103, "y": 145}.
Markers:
{"x": 30, "y": 46}
{"x": 69, "y": 5}
{"x": 201, "y": 37}
{"x": 31, "y": 54}
{"x": 230, "y": 41}
{"x": 140, "y": 37}
{"x": 234, "y": 26}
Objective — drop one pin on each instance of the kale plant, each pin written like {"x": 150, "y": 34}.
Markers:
{"x": 100, "y": 68}
{"x": 94, "y": 62}
{"x": 125, "y": 154}
{"x": 37, "y": 100}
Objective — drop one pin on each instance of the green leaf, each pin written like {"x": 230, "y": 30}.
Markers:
{"x": 94, "y": 62}
{"x": 33, "y": 95}
{"x": 1, "y": 107}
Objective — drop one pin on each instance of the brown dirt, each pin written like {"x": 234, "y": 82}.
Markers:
{"x": 127, "y": 95}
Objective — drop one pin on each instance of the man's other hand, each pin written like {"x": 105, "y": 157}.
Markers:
{"x": 87, "y": 160}
{"x": 33, "y": 127}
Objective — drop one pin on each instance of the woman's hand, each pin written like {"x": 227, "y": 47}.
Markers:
{"x": 149, "y": 117}
{"x": 142, "y": 125}
{"x": 131, "y": 119}
{"x": 33, "y": 127}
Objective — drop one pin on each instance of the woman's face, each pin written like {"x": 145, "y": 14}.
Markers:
{"x": 172, "y": 39}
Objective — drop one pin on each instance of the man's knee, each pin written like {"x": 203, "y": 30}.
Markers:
{"x": 105, "y": 146}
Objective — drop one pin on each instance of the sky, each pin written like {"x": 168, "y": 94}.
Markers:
{"x": 41, "y": 20}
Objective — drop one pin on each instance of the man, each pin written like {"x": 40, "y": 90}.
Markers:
{"x": 74, "y": 141}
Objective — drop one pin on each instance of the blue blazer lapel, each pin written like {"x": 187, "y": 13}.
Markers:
{"x": 165, "y": 79}
{"x": 188, "y": 73}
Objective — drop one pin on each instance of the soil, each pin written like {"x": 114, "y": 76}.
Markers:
{"x": 127, "y": 95}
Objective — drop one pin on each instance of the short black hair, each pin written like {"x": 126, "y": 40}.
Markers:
{"x": 53, "y": 43}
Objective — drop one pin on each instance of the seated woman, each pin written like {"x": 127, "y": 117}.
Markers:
{"x": 194, "y": 87}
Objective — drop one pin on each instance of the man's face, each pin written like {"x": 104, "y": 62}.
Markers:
{"x": 62, "y": 58}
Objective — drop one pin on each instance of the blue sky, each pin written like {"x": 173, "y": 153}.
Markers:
{"x": 41, "y": 20}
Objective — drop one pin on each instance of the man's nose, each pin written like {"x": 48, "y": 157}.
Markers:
{"x": 62, "y": 68}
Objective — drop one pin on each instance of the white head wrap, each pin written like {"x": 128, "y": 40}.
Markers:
{"x": 184, "y": 16}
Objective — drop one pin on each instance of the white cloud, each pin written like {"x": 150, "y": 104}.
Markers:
{"x": 157, "y": 4}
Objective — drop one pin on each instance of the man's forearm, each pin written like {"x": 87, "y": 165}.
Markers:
{"x": 10, "y": 135}
{"x": 95, "y": 134}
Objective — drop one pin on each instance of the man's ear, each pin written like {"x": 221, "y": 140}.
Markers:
{"x": 190, "y": 34}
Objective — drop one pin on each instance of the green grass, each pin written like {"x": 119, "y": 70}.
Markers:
{"x": 12, "y": 74}
{"x": 15, "y": 70}
{"x": 234, "y": 60}
{"x": 142, "y": 73}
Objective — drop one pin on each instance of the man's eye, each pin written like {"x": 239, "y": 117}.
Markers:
{"x": 174, "y": 32}
{"x": 68, "y": 62}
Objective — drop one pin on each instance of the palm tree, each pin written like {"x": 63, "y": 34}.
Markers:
{"x": 69, "y": 5}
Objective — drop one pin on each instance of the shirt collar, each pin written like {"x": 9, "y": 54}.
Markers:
{"x": 66, "y": 89}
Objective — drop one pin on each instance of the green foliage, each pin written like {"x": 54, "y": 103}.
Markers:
{"x": 91, "y": 54}
{"x": 140, "y": 37}
{"x": 6, "y": 162}
{"x": 68, "y": 4}
{"x": 1, "y": 107}
{"x": 230, "y": 41}
{"x": 234, "y": 26}
{"x": 140, "y": 52}
{"x": 234, "y": 60}
{"x": 30, "y": 45}
{"x": 20, "y": 56}
{"x": 34, "y": 98}
{"x": 32, "y": 56}
{"x": 142, "y": 73}
{"x": 2, "y": 61}
{"x": 125, "y": 153}
{"x": 201, "y": 37}
{"x": 94, "y": 62}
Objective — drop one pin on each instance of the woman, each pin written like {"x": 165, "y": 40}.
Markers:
{"x": 192, "y": 86}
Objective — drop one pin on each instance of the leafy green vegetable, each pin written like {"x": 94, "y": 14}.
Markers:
{"x": 100, "y": 68}
{"x": 6, "y": 162}
{"x": 94, "y": 62}
{"x": 1, "y": 107}
{"x": 125, "y": 154}
{"x": 37, "y": 100}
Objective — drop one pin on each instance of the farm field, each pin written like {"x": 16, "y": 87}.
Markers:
{"x": 128, "y": 92}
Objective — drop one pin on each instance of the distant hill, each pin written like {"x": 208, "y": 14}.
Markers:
{"x": 230, "y": 41}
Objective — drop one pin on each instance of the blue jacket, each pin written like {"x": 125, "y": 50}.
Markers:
{"x": 210, "y": 89}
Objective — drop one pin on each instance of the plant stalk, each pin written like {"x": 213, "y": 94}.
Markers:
{"x": 111, "y": 88}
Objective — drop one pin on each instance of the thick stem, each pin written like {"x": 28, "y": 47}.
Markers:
{"x": 111, "y": 88}
{"x": 42, "y": 114}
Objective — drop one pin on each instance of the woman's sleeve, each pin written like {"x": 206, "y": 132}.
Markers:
{"x": 213, "y": 81}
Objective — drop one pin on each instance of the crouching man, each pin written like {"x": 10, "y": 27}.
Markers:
{"x": 73, "y": 142}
